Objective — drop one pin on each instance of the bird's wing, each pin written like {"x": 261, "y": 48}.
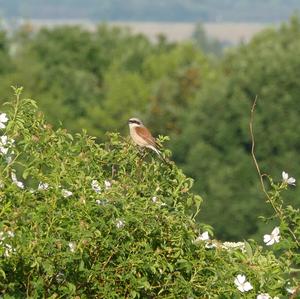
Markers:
{"x": 145, "y": 134}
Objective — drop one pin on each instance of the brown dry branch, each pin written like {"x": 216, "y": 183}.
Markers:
{"x": 261, "y": 175}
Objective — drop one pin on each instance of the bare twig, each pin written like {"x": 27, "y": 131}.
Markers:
{"x": 261, "y": 176}
{"x": 253, "y": 152}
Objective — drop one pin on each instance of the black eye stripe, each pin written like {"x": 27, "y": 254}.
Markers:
{"x": 134, "y": 122}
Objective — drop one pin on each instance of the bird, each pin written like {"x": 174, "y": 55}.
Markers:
{"x": 142, "y": 136}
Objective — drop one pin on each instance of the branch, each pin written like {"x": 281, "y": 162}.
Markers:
{"x": 278, "y": 212}
{"x": 253, "y": 152}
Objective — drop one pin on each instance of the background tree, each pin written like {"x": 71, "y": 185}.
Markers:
{"x": 218, "y": 126}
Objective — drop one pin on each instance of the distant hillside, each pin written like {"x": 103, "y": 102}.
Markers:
{"x": 155, "y": 10}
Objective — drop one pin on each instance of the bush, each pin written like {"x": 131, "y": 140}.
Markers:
{"x": 104, "y": 221}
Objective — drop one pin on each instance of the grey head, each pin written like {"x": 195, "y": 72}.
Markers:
{"x": 136, "y": 121}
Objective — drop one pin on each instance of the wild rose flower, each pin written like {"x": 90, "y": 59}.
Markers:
{"x": 263, "y": 296}
{"x": 107, "y": 184}
{"x": 3, "y": 150}
{"x": 8, "y": 159}
{"x": 203, "y": 237}
{"x": 66, "y": 193}
{"x": 8, "y": 250}
{"x": 10, "y": 233}
{"x": 287, "y": 180}
{"x": 101, "y": 202}
{"x": 234, "y": 245}
{"x": 120, "y": 223}
{"x": 95, "y": 186}
{"x": 242, "y": 284}
{"x": 43, "y": 186}
{"x": 3, "y": 120}
{"x": 154, "y": 199}
{"x": 72, "y": 246}
{"x": 4, "y": 140}
{"x": 5, "y": 144}
{"x": 273, "y": 237}
{"x": 15, "y": 181}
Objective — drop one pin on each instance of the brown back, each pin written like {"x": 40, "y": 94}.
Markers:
{"x": 145, "y": 133}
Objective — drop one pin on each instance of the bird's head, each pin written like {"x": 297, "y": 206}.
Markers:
{"x": 133, "y": 122}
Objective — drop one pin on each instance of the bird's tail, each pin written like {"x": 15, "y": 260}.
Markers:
{"x": 158, "y": 153}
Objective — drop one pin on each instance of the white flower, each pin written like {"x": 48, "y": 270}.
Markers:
{"x": 4, "y": 140}
{"x": 154, "y": 199}
{"x": 234, "y": 245}
{"x": 287, "y": 180}
{"x": 3, "y": 120}
{"x": 102, "y": 202}
{"x": 273, "y": 238}
{"x": 8, "y": 250}
{"x": 203, "y": 237}
{"x": 263, "y": 296}
{"x": 3, "y": 150}
{"x": 211, "y": 245}
{"x": 10, "y": 233}
{"x": 5, "y": 143}
{"x": 107, "y": 184}
{"x": 242, "y": 284}
{"x": 8, "y": 159}
{"x": 66, "y": 193}
{"x": 120, "y": 224}
{"x": 20, "y": 185}
{"x": 72, "y": 246}
{"x": 43, "y": 186}
{"x": 15, "y": 181}
{"x": 95, "y": 186}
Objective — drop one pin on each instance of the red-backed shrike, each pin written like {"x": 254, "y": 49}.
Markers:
{"x": 141, "y": 135}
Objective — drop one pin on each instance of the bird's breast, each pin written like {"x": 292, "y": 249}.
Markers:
{"x": 137, "y": 138}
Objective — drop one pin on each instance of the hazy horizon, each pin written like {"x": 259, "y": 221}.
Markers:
{"x": 156, "y": 10}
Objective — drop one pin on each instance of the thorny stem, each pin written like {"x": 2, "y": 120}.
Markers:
{"x": 277, "y": 211}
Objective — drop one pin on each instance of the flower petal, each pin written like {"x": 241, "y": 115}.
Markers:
{"x": 241, "y": 288}
{"x": 241, "y": 278}
{"x": 285, "y": 175}
{"x": 3, "y": 118}
{"x": 275, "y": 231}
{"x": 291, "y": 181}
{"x": 267, "y": 238}
{"x": 205, "y": 236}
{"x": 263, "y": 296}
{"x": 247, "y": 286}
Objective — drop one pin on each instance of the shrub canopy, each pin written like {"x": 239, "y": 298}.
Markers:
{"x": 106, "y": 221}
